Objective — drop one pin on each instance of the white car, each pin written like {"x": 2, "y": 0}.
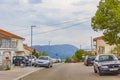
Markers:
{"x": 32, "y": 59}
{"x": 44, "y": 61}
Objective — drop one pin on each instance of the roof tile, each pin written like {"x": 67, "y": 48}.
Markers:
{"x": 6, "y": 34}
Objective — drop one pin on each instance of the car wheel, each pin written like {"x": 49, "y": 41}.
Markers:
{"x": 51, "y": 66}
{"x": 86, "y": 64}
{"x": 100, "y": 72}
{"x": 95, "y": 71}
{"x": 48, "y": 66}
{"x": 35, "y": 65}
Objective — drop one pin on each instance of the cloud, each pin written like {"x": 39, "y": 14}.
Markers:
{"x": 35, "y": 1}
{"x": 21, "y": 14}
{"x": 13, "y": 2}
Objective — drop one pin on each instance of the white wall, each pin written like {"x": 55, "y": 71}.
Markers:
{"x": 20, "y": 45}
{"x": 106, "y": 46}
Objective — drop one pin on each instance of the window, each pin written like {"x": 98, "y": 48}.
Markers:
{"x": 5, "y": 43}
{"x": 43, "y": 58}
{"x": 106, "y": 58}
{"x": 101, "y": 49}
{"x": 13, "y": 43}
{"x": 0, "y": 42}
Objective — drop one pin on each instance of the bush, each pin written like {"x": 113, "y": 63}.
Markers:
{"x": 68, "y": 60}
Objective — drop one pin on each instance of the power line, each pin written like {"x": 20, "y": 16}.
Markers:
{"x": 18, "y": 30}
{"x": 59, "y": 28}
{"x": 61, "y": 23}
{"x": 69, "y": 21}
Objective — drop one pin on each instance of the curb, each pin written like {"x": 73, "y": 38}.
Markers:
{"x": 27, "y": 74}
{"x": 20, "y": 77}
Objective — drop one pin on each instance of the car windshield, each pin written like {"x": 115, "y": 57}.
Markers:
{"x": 106, "y": 58}
{"x": 43, "y": 58}
{"x": 17, "y": 57}
{"x": 92, "y": 57}
{"x": 29, "y": 57}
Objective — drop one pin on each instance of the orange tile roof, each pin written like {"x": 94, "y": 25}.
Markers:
{"x": 6, "y": 34}
{"x": 98, "y": 38}
{"x": 27, "y": 47}
{"x": 3, "y": 36}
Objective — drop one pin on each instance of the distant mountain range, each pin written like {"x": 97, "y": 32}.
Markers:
{"x": 57, "y": 51}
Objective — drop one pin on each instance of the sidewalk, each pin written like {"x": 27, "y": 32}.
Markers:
{"x": 17, "y": 73}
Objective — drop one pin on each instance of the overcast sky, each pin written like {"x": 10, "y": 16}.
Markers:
{"x": 58, "y": 21}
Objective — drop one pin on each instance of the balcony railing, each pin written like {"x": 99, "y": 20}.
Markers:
{"x": 8, "y": 45}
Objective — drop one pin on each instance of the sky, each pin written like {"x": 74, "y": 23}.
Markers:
{"x": 56, "y": 21}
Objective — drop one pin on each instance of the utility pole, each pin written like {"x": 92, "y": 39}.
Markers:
{"x": 91, "y": 44}
{"x": 80, "y": 46}
{"x": 31, "y": 41}
{"x": 49, "y": 43}
{"x": 49, "y": 47}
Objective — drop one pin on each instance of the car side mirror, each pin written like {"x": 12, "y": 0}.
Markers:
{"x": 118, "y": 58}
{"x": 96, "y": 61}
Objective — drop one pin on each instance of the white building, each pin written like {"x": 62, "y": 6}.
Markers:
{"x": 10, "y": 45}
{"x": 101, "y": 46}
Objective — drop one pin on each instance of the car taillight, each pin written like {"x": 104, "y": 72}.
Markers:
{"x": 88, "y": 59}
{"x": 34, "y": 59}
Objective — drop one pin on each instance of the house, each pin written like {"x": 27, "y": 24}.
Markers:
{"x": 101, "y": 46}
{"x": 28, "y": 49}
{"x": 10, "y": 45}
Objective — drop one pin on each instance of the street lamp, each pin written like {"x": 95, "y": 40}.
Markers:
{"x": 31, "y": 41}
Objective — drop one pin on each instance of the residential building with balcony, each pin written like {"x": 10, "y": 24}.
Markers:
{"x": 10, "y": 45}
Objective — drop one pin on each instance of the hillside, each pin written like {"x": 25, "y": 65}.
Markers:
{"x": 57, "y": 51}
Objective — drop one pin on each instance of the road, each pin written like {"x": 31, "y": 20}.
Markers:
{"x": 69, "y": 71}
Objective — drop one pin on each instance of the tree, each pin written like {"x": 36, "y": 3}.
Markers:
{"x": 107, "y": 19}
{"x": 44, "y": 53}
{"x": 68, "y": 60}
{"x": 35, "y": 53}
{"x": 74, "y": 58}
{"x": 115, "y": 49}
{"x": 78, "y": 56}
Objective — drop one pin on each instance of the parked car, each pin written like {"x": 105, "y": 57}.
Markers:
{"x": 44, "y": 61}
{"x": 18, "y": 60}
{"x": 54, "y": 60}
{"x": 59, "y": 60}
{"x": 106, "y": 63}
{"x": 31, "y": 59}
{"x": 89, "y": 59}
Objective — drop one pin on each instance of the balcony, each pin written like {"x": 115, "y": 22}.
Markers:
{"x": 8, "y": 45}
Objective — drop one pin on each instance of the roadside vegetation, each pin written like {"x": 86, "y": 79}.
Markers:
{"x": 68, "y": 60}
{"x": 35, "y": 53}
{"x": 78, "y": 56}
{"x": 107, "y": 20}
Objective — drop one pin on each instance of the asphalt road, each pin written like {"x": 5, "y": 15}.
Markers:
{"x": 69, "y": 71}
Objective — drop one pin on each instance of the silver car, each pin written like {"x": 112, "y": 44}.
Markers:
{"x": 32, "y": 59}
{"x": 106, "y": 63}
{"x": 43, "y": 61}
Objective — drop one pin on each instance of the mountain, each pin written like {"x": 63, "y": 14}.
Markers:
{"x": 57, "y": 51}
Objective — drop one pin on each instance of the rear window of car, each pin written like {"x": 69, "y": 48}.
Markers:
{"x": 106, "y": 58}
{"x": 18, "y": 57}
{"x": 92, "y": 57}
{"x": 43, "y": 58}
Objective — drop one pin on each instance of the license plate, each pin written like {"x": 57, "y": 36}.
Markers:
{"x": 113, "y": 69}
